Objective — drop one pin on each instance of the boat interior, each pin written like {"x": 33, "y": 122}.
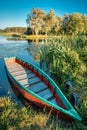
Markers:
{"x": 32, "y": 80}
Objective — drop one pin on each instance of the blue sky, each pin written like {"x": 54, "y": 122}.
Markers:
{"x": 14, "y": 12}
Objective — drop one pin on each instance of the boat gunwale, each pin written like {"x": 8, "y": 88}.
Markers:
{"x": 54, "y": 85}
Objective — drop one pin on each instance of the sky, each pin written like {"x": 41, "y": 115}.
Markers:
{"x": 14, "y": 12}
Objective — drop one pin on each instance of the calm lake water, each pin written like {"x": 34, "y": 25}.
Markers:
{"x": 27, "y": 50}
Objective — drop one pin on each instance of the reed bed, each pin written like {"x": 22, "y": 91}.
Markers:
{"x": 66, "y": 60}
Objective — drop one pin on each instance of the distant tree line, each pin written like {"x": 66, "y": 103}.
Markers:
{"x": 1, "y": 30}
{"x": 14, "y": 30}
{"x": 38, "y": 22}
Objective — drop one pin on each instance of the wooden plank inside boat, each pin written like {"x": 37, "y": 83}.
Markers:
{"x": 18, "y": 73}
{"x": 15, "y": 73}
{"x": 32, "y": 82}
{"x": 53, "y": 100}
{"x": 14, "y": 66}
{"x": 46, "y": 93}
{"x": 31, "y": 75}
{"x": 37, "y": 87}
{"x": 21, "y": 75}
{"x": 26, "y": 82}
{"x": 25, "y": 76}
{"x": 15, "y": 70}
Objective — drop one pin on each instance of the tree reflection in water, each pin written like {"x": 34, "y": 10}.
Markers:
{"x": 34, "y": 47}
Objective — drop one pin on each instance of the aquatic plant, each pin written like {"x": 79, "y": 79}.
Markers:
{"x": 64, "y": 59}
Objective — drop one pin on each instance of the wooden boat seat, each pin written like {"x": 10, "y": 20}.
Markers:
{"x": 33, "y": 80}
{"x": 46, "y": 93}
{"x": 38, "y": 87}
{"x": 15, "y": 73}
{"x": 15, "y": 70}
{"x": 22, "y": 78}
{"x": 18, "y": 73}
{"x": 25, "y": 76}
{"x": 26, "y": 84}
{"x": 31, "y": 75}
{"x": 15, "y": 63}
{"x": 14, "y": 66}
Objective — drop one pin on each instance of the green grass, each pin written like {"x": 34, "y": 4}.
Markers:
{"x": 13, "y": 117}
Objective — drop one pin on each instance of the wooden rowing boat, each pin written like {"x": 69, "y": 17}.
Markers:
{"x": 39, "y": 88}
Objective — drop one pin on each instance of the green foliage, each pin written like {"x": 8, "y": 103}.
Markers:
{"x": 64, "y": 59}
{"x": 40, "y": 22}
{"x": 49, "y": 22}
{"x": 74, "y": 24}
{"x": 15, "y": 29}
{"x": 9, "y": 31}
{"x": 35, "y": 20}
{"x": 1, "y": 30}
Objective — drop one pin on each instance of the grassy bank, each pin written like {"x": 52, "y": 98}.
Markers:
{"x": 13, "y": 117}
{"x": 20, "y": 36}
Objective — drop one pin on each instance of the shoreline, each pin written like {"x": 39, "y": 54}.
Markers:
{"x": 19, "y": 36}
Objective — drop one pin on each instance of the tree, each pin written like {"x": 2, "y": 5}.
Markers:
{"x": 35, "y": 20}
{"x": 38, "y": 22}
{"x": 57, "y": 25}
{"x": 73, "y": 24}
{"x": 84, "y": 19}
{"x": 15, "y": 29}
{"x": 49, "y": 21}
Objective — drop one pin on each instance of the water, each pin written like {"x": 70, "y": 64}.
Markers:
{"x": 27, "y": 50}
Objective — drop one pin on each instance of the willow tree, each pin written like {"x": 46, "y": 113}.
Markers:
{"x": 35, "y": 20}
